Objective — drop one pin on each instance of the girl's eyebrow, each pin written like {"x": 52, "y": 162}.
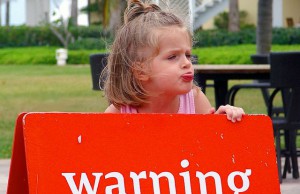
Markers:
{"x": 178, "y": 50}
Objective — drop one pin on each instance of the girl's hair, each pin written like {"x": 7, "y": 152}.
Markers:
{"x": 128, "y": 51}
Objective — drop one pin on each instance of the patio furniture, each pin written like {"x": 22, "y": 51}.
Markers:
{"x": 284, "y": 76}
{"x": 221, "y": 74}
{"x": 263, "y": 85}
{"x": 97, "y": 63}
{"x": 290, "y": 22}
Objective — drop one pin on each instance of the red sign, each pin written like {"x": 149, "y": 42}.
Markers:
{"x": 144, "y": 153}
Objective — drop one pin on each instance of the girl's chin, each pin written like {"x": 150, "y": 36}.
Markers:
{"x": 186, "y": 90}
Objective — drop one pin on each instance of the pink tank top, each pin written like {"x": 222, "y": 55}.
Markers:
{"x": 186, "y": 105}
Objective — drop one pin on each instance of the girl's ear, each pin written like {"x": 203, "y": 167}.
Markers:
{"x": 140, "y": 71}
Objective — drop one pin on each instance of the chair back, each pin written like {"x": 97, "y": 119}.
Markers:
{"x": 260, "y": 59}
{"x": 285, "y": 74}
{"x": 98, "y": 62}
{"x": 285, "y": 69}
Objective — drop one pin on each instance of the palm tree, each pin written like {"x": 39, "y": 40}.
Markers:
{"x": 108, "y": 11}
{"x": 117, "y": 8}
{"x": 234, "y": 23}
{"x": 7, "y": 13}
{"x": 264, "y": 27}
{"x": 0, "y": 12}
{"x": 74, "y": 13}
{"x": 88, "y": 13}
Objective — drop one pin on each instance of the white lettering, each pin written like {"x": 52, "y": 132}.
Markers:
{"x": 155, "y": 179}
{"x": 244, "y": 176}
{"x": 202, "y": 180}
{"x": 136, "y": 181}
{"x": 186, "y": 177}
{"x": 120, "y": 184}
{"x": 83, "y": 182}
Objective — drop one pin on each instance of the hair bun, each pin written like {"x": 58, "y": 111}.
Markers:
{"x": 136, "y": 8}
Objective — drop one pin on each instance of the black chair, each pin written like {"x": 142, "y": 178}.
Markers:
{"x": 263, "y": 85}
{"x": 97, "y": 63}
{"x": 284, "y": 76}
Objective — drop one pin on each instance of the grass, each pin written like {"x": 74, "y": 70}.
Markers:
{"x": 238, "y": 54}
{"x": 32, "y": 88}
{"x": 28, "y": 85}
{"x": 42, "y": 55}
{"x": 43, "y": 88}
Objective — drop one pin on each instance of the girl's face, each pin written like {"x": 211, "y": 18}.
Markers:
{"x": 171, "y": 70}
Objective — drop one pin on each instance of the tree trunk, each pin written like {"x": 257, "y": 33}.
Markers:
{"x": 0, "y": 13}
{"x": 116, "y": 12}
{"x": 89, "y": 13}
{"x": 234, "y": 17}
{"x": 264, "y": 27}
{"x": 74, "y": 12}
{"x": 7, "y": 14}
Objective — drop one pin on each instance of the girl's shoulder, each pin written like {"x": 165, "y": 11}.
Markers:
{"x": 112, "y": 109}
{"x": 202, "y": 105}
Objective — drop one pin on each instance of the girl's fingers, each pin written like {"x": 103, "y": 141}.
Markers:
{"x": 233, "y": 113}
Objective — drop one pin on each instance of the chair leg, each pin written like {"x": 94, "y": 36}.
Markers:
{"x": 231, "y": 95}
{"x": 278, "y": 152}
{"x": 287, "y": 166}
{"x": 293, "y": 151}
{"x": 287, "y": 154}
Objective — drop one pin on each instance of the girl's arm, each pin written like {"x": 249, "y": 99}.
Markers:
{"x": 112, "y": 109}
{"x": 203, "y": 106}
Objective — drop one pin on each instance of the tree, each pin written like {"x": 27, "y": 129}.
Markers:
{"x": 115, "y": 17}
{"x": 7, "y": 13}
{"x": 0, "y": 13}
{"x": 74, "y": 13}
{"x": 109, "y": 12}
{"x": 88, "y": 13}
{"x": 234, "y": 23}
{"x": 60, "y": 28}
{"x": 264, "y": 27}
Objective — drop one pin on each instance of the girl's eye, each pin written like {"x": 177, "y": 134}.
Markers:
{"x": 171, "y": 57}
{"x": 188, "y": 56}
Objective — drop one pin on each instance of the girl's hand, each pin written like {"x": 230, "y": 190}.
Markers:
{"x": 233, "y": 113}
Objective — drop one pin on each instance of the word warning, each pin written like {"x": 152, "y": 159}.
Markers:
{"x": 142, "y": 153}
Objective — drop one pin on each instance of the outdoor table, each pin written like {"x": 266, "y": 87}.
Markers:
{"x": 221, "y": 74}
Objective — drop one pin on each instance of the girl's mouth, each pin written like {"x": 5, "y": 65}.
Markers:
{"x": 187, "y": 77}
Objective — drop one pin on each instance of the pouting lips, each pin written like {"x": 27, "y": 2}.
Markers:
{"x": 187, "y": 77}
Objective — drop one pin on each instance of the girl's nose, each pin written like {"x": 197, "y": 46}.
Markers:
{"x": 186, "y": 63}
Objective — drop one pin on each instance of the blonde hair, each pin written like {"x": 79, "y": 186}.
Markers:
{"x": 140, "y": 20}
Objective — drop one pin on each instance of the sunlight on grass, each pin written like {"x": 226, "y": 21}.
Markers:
{"x": 36, "y": 88}
{"x": 43, "y": 89}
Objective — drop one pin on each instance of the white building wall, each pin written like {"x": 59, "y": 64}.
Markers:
{"x": 37, "y": 12}
{"x": 277, "y": 13}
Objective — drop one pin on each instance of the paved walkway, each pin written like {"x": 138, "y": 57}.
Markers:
{"x": 289, "y": 185}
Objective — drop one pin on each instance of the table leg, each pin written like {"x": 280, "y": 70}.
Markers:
{"x": 200, "y": 81}
{"x": 293, "y": 151}
{"x": 221, "y": 88}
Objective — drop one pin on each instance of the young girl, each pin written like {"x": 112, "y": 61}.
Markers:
{"x": 149, "y": 67}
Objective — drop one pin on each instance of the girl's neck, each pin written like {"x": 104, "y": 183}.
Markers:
{"x": 161, "y": 105}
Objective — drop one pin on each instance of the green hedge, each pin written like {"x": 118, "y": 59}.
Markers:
{"x": 19, "y": 36}
{"x": 43, "y": 55}
{"x": 280, "y": 36}
{"x": 93, "y": 37}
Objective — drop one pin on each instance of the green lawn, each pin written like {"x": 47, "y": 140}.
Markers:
{"x": 32, "y": 88}
{"x": 28, "y": 85}
{"x": 239, "y": 54}
{"x": 43, "y": 88}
